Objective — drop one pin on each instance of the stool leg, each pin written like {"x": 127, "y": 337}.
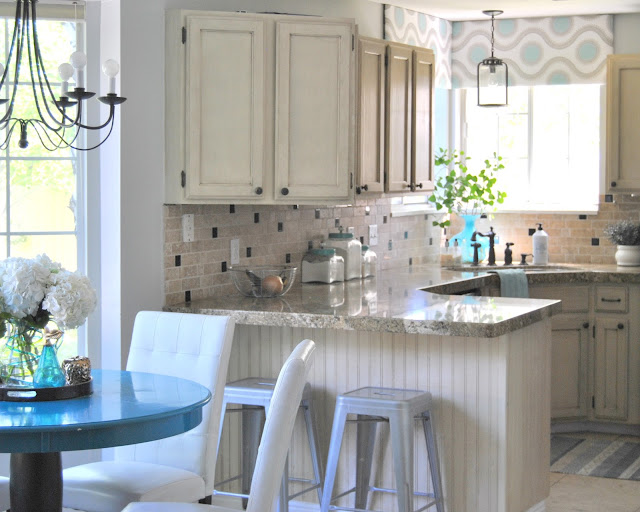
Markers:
{"x": 434, "y": 465}
{"x": 252, "y": 425}
{"x": 365, "y": 442}
{"x": 401, "y": 427}
{"x": 222, "y": 416}
{"x": 312, "y": 435}
{"x": 283, "y": 497}
{"x": 337, "y": 431}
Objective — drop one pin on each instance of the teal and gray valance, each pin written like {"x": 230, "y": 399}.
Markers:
{"x": 539, "y": 51}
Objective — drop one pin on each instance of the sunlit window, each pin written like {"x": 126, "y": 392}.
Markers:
{"x": 549, "y": 137}
{"x": 41, "y": 199}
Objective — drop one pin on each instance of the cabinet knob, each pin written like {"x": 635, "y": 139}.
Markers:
{"x": 285, "y": 191}
{"x": 419, "y": 185}
{"x": 620, "y": 326}
{"x": 613, "y": 184}
{"x": 365, "y": 187}
{"x": 585, "y": 325}
{"x": 259, "y": 191}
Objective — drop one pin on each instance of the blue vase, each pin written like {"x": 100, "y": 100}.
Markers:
{"x": 48, "y": 374}
{"x": 464, "y": 240}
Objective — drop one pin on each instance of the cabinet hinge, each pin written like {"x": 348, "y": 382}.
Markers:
{"x": 184, "y": 35}
{"x": 386, "y": 60}
{"x": 183, "y": 179}
{"x": 353, "y": 42}
{"x": 351, "y": 180}
{"x": 593, "y": 402}
{"x": 593, "y": 330}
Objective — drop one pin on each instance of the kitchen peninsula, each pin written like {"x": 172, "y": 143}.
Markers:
{"x": 486, "y": 360}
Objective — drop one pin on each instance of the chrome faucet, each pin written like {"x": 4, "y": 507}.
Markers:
{"x": 492, "y": 252}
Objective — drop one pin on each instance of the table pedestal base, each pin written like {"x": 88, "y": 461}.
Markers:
{"x": 36, "y": 482}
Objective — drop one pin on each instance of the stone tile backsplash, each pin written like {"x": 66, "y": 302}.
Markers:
{"x": 279, "y": 235}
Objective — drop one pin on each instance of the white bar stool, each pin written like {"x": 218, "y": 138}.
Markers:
{"x": 254, "y": 395}
{"x": 400, "y": 407}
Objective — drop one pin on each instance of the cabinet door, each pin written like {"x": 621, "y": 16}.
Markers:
{"x": 371, "y": 116}
{"x": 569, "y": 367}
{"x": 611, "y": 353}
{"x": 422, "y": 143}
{"x": 399, "y": 118}
{"x": 224, "y": 108}
{"x": 623, "y": 115}
{"x": 313, "y": 115}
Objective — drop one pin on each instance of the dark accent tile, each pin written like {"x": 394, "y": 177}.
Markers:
{"x": 608, "y": 198}
{"x": 178, "y": 260}
{"x": 214, "y": 232}
{"x": 362, "y": 240}
{"x": 595, "y": 241}
{"x": 426, "y": 216}
{"x": 296, "y": 207}
{"x": 582, "y": 217}
{"x": 224, "y": 266}
{"x": 317, "y": 214}
{"x": 256, "y": 218}
{"x": 280, "y": 227}
{"x": 248, "y": 252}
{"x": 310, "y": 245}
{"x": 187, "y": 296}
{"x": 410, "y": 261}
{"x": 532, "y": 231}
{"x": 232, "y": 208}
{"x": 406, "y": 235}
{"x": 384, "y": 219}
{"x": 390, "y": 245}
{"x": 430, "y": 241}
{"x": 337, "y": 223}
{"x": 288, "y": 258}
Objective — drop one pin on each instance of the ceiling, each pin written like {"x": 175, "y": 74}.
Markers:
{"x": 472, "y": 9}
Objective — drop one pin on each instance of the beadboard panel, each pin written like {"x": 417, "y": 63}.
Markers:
{"x": 493, "y": 458}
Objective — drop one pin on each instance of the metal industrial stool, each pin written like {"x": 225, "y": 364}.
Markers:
{"x": 254, "y": 395}
{"x": 400, "y": 407}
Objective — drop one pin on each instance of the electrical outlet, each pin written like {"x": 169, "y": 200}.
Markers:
{"x": 188, "y": 231}
{"x": 373, "y": 235}
{"x": 235, "y": 251}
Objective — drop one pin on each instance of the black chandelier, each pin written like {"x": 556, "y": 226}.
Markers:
{"x": 59, "y": 120}
{"x": 493, "y": 75}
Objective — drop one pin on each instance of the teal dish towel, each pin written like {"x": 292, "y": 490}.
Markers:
{"x": 513, "y": 283}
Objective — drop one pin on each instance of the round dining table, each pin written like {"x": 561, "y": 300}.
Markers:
{"x": 124, "y": 408}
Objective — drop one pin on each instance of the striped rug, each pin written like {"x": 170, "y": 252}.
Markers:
{"x": 595, "y": 457}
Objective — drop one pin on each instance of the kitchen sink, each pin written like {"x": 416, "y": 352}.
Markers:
{"x": 526, "y": 268}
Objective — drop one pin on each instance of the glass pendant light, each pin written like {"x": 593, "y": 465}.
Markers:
{"x": 493, "y": 75}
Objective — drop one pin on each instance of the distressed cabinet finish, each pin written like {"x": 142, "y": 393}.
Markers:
{"x": 259, "y": 108}
{"x": 623, "y": 123}
{"x": 594, "y": 367}
{"x": 395, "y": 117}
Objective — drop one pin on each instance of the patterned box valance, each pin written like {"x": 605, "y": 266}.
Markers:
{"x": 552, "y": 50}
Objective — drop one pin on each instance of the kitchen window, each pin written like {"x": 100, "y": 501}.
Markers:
{"x": 549, "y": 138}
{"x": 41, "y": 192}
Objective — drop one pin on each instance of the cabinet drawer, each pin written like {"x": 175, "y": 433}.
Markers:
{"x": 612, "y": 298}
{"x": 575, "y": 299}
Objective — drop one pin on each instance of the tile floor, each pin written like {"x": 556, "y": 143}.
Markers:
{"x": 576, "y": 493}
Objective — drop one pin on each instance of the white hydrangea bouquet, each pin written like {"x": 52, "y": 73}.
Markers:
{"x": 33, "y": 292}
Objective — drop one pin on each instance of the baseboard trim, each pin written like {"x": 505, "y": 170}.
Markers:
{"x": 594, "y": 426}
{"x": 540, "y": 507}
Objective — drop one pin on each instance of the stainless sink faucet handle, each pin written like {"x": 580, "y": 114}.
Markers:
{"x": 523, "y": 257}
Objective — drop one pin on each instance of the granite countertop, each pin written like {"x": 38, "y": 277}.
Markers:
{"x": 412, "y": 300}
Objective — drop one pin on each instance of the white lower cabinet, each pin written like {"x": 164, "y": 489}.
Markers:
{"x": 259, "y": 108}
{"x": 594, "y": 366}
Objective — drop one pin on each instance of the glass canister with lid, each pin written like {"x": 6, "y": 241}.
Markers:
{"x": 349, "y": 248}
{"x": 369, "y": 262}
{"x": 322, "y": 266}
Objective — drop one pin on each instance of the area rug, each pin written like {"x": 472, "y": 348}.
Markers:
{"x": 595, "y": 457}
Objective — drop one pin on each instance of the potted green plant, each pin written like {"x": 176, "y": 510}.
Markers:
{"x": 626, "y": 235}
{"x": 466, "y": 193}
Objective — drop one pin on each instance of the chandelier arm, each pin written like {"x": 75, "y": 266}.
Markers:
{"x": 41, "y": 129}
{"x": 18, "y": 31}
{"x": 5, "y": 143}
{"x": 16, "y": 28}
{"x": 113, "y": 118}
{"x": 112, "y": 111}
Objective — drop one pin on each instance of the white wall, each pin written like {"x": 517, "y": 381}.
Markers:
{"x": 626, "y": 33}
{"x": 142, "y": 133}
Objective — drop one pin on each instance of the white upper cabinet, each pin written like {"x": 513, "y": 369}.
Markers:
{"x": 623, "y": 123}
{"x": 260, "y": 108}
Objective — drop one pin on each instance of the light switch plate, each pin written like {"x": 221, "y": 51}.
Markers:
{"x": 373, "y": 235}
{"x": 235, "y": 251}
{"x": 188, "y": 231}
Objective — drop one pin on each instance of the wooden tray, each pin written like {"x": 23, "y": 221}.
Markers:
{"x": 20, "y": 394}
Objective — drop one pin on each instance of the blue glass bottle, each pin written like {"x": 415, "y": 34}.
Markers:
{"x": 48, "y": 374}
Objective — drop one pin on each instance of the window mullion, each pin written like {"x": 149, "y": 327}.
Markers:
{"x": 530, "y": 141}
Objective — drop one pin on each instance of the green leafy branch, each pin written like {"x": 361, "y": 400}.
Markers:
{"x": 459, "y": 190}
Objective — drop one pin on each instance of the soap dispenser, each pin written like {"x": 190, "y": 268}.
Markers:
{"x": 540, "y": 247}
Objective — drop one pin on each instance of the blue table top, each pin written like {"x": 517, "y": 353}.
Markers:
{"x": 125, "y": 408}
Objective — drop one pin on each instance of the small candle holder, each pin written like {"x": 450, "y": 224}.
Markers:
{"x": 77, "y": 370}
